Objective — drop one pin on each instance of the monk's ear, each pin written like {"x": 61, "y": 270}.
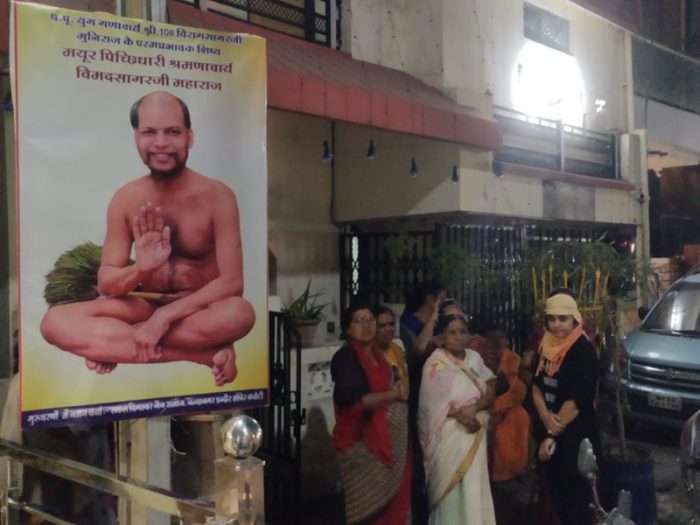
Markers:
{"x": 190, "y": 138}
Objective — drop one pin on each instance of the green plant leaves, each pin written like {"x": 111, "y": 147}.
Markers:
{"x": 74, "y": 275}
{"x": 305, "y": 307}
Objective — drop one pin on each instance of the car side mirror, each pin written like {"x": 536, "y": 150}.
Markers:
{"x": 587, "y": 463}
{"x": 642, "y": 312}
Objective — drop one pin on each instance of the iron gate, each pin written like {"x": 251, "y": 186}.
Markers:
{"x": 281, "y": 425}
{"x": 370, "y": 273}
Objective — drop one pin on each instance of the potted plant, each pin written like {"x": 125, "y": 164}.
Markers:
{"x": 305, "y": 313}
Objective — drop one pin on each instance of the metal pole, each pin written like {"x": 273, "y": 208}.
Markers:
{"x": 560, "y": 143}
{"x": 139, "y": 492}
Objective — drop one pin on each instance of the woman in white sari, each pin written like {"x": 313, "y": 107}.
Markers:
{"x": 456, "y": 391}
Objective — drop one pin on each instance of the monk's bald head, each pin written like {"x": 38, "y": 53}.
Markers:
{"x": 160, "y": 99}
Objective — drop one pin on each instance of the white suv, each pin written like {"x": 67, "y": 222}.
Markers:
{"x": 660, "y": 364}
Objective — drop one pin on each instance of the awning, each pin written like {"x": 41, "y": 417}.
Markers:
{"x": 315, "y": 80}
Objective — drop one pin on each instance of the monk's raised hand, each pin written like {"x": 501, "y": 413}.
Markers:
{"x": 151, "y": 238}
{"x": 148, "y": 219}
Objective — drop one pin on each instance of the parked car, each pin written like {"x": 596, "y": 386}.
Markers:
{"x": 660, "y": 360}
{"x": 690, "y": 460}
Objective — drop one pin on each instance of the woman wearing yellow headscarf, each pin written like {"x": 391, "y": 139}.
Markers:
{"x": 563, "y": 392}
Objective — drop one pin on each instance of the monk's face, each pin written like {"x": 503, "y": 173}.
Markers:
{"x": 162, "y": 139}
{"x": 386, "y": 329}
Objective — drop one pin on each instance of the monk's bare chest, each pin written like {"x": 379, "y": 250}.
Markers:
{"x": 190, "y": 220}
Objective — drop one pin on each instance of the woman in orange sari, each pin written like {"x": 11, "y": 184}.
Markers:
{"x": 371, "y": 429}
{"x": 510, "y": 422}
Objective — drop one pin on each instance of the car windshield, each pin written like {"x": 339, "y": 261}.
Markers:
{"x": 678, "y": 312}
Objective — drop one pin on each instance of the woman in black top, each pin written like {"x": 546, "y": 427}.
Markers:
{"x": 563, "y": 392}
{"x": 371, "y": 426}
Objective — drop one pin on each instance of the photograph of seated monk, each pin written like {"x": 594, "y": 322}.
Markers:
{"x": 170, "y": 277}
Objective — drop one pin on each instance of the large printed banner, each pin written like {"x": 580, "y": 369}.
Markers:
{"x": 142, "y": 217}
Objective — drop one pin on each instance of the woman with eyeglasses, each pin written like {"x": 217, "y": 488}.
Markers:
{"x": 371, "y": 426}
{"x": 563, "y": 393}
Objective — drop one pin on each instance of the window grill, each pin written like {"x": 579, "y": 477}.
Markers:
{"x": 546, "y": 28}
{"x": 309, "y": 19}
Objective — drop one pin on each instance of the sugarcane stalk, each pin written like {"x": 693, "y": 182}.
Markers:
{"x": 544, "y": 286}
{"x": 534, "y": 285}
{"x": 595, "y": 290}
{"x": 605, "y": 285}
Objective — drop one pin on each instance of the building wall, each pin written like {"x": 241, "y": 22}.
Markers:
{"x": 670, "y": 126}
{"x": 400, "y": 34}
{"x": 383, "y": 187}
{"x": 600, "y": 59}
{"x": 511, "y": 196}
{"x": 471, "y": 50}
{"x": 301, "y": 236}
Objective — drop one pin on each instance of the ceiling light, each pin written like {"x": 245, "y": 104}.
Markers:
{"x": 327, "y": 153}
{"x": 371, "y": 151}
{"x": 414, "y": 168}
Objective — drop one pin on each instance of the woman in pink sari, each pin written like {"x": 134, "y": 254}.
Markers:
{"x": 456, "y": 392}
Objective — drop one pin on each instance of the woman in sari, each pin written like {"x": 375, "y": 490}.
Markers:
{"x": 563, "y": 392}
{"x": 371, "y": 430}
{"x": 456, "y": 392}
{"x": 510, "y": 423}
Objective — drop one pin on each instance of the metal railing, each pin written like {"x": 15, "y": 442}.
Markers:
{"x": 665, "y": 75}
{"x": 550, "y": 144}
{"x": 307, "y": 19}
{"x": 136, "y": 491}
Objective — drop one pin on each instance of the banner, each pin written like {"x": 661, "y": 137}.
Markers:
{"x": 142, "y": 197}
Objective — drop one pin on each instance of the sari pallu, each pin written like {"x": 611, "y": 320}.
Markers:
{"x": 455, "y": 461}
{"x": 372, "y": 445}
{"x": 375, "y": 492}
{"x": 510, "y": 438}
